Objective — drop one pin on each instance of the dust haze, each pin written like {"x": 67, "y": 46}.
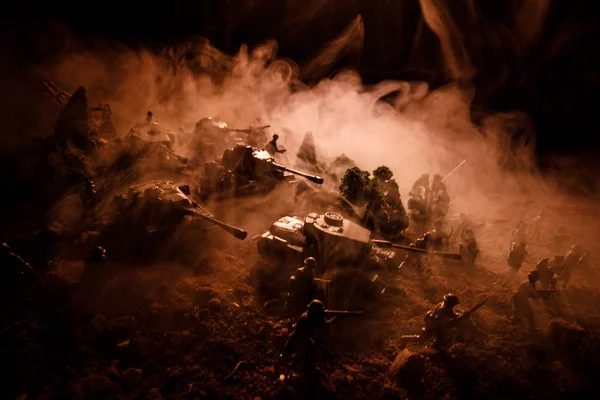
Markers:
{"x": 417, "y": 130}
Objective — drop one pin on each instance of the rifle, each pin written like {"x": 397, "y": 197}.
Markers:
{"x": 467, "y": 314}
{"x": 343, "y": 313}
{"x": 249, "y": 130}
{"x": 453, "y": 171}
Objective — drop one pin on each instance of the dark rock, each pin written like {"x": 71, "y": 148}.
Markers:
{"x": 406, "y": 363}
{"x": 214, "y": 305}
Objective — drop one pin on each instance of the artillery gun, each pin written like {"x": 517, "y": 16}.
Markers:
{"x": 334, "y": 241}
{"x": 150, "y": 214}
{"x": 246, "y": 170}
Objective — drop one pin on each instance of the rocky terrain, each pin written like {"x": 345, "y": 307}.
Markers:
{"x": 215, "y": 329}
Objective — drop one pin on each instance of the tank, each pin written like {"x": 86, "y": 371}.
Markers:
{"x": 152, "y": 132}
{"x": 334, "y": 241}
{"x": 246, "y": 170}
{"x": 158, "y": 202}
{"x": 213, "y": 136}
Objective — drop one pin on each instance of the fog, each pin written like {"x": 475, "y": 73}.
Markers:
{"x": 415, "y": 130}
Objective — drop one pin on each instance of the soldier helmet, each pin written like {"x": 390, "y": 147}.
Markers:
{"x": 533, "y": 276}
{"x": 577, "y": 249}
{"x": 275, "y": 136}
{"x": 542, "y": 264}
{"x": 98, "y": 251}
{"x": 451, "y": 299}
{"x": 310, "y": 262}
{"x": 149, "y": 114}
{"x": 316, "y": 309}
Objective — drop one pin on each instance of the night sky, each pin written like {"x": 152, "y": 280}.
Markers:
{"x": 557, "y": 81}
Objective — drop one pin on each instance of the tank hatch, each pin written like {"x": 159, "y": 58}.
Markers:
{"x": 336, "y": 225}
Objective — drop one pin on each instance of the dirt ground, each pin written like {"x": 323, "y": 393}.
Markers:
{"x": 177, "y": 332}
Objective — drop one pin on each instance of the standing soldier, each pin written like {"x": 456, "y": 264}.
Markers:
{"x": 516, "y": 256}
{"x": 437, "y": 239}
{"x": 526, "y": 291}
{"x": 272, "y": 148}
{"x": 301, "y": 342}
{"x": 301, "y": 284}
{"x": 546, "y": 273}
{"x": 468, "y": 249}
{"x": 559, "y": 239}
{"x": 519, "y": 234}
{"x": 536, "y": 227}
{"x": 573, "y": 259}
{"x": 438, "y": 319}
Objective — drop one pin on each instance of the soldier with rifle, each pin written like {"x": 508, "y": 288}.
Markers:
{"x": 437, "y": 239}
{"x": 301, "y": 285}
{"x": 573, "y": 259}
{"x": 516, "y": 256}
{"x": 301, "y": 342}
{"x": 468, "y": 249}
{"x": 442, "y": 318}
{"x": 526, "y": 291}
{"x": 547, "y": 280}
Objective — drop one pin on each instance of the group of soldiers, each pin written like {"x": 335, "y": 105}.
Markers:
{"x": 540, "y": 284}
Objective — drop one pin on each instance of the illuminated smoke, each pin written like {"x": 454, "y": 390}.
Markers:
{"x": 418, "y": 131}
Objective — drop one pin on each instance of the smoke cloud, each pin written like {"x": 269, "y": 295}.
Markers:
{"x": 418, "y": 131}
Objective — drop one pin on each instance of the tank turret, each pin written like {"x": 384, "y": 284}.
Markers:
{"x": 334, "y": 241}
{"x": 249, "y": 170}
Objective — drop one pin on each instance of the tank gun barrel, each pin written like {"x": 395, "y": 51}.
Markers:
{"x": 236, "y": 232}
{"x": 179, "y": 158}
{"x": 248, "y": 130}
{"x": 313, "y": 178}
{"x": 387, "y": 243}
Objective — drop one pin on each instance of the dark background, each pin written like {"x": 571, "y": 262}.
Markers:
{"x": 556, "y": 82}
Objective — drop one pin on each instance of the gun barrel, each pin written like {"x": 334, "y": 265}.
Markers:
{"x": 248, "y": 130}
{"x": 313, "y": 178}
{"x": 386, "y": 243}
{"x": 236, "y": 232}
{"x": 179, "y": 158}
{"x": 343, "y": 312}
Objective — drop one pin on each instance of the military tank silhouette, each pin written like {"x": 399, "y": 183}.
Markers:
{"x": 213, "y": 136}
{"x": 148, "y": 218}
{"x": 349, "y": 261}
{"x": 246, "y": 170}
{"x": 333, "y": 241}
